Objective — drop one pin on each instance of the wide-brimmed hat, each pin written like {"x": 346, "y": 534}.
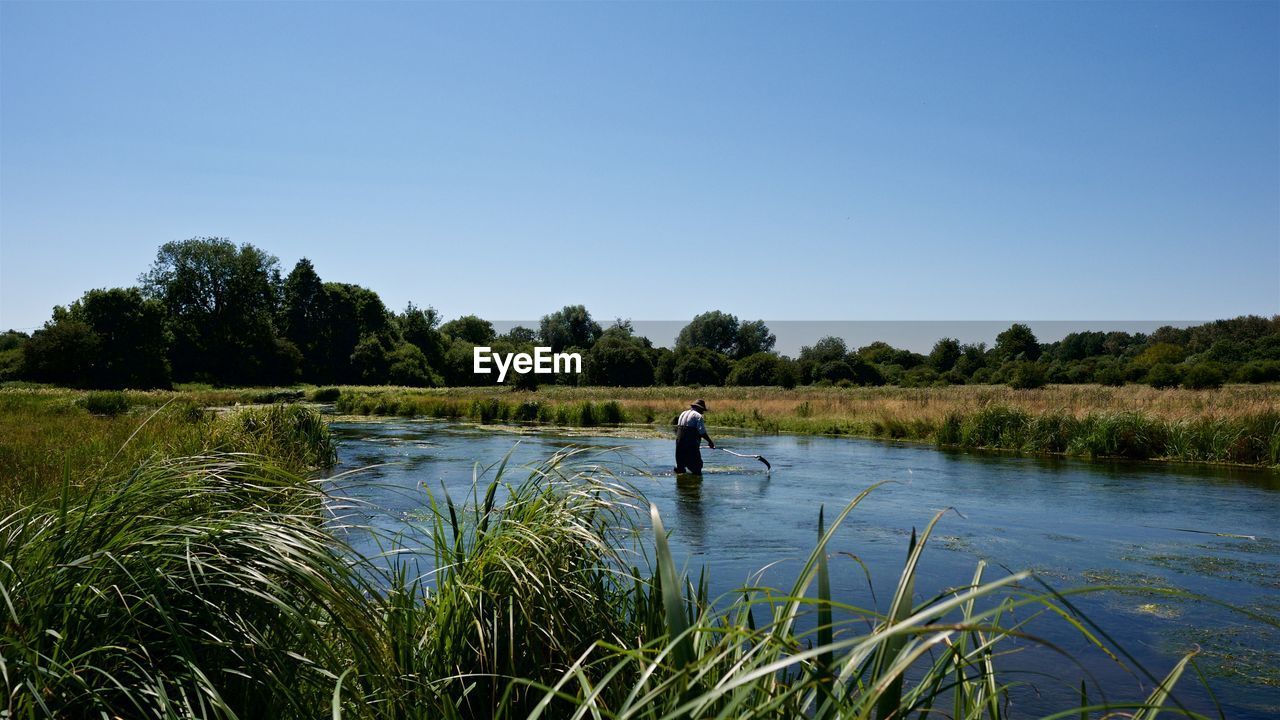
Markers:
{"x": 700, "y": 405}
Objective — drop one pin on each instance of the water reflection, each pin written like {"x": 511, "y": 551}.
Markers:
{"x": 690, "y": 517}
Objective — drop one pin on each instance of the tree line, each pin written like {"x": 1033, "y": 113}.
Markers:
{"x": 211, "y": 311}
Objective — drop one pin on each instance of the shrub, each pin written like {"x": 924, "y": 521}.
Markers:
{"x": 763, "y": 369}
{"x": 1203, "y": 376}
{"x": 1259, "y": 371}
{"x": 329, "y": 394}
{"x": 700, "y": 366}
{"x": 408, "y": 366}
{"x": 1027, "y": 375}
{"x": 835, "y": 371}
{"x": 1111, "y": 375}
{"x": 106, "y": 403}
{"x": 1163, "y": 375}
{"x": 921, "y": 376}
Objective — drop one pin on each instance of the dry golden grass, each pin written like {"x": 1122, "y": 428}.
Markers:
{"x": 928, "y": 405}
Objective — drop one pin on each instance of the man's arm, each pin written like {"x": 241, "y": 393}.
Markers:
{"x": 702, "y": 427}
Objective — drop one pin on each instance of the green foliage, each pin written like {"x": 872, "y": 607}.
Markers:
{"x": 944, "y": 355}
{"x": 835, "y": 371}
{"x": 1079, "y": 345}
{"x": 1164, "y": 375}
{"x": 12, "y": 343}
{"x": 306, "y": 317}
{"x": 1027, "y": 375}
{"x": 216, "y": 313}
{"x": 1159, "y": 354}
{"x": 471, "y": 329}
{"x": 371, "y": 359}
{"x": 1111, "y": 374}
{"x": 882, "y": 353}
{"x": 753, "y": 337}
{"x": 419, "y": 327}
{"x": 814, "y": 357}
{"x": 973, "y": 357}
{"x": 328, "y": 394}
{"x": 221, "y": 302}
{"x": 699, "y": 366}
{"x": 722, "y": 333}
{"x": 106, "y": 403}
{"x": 459, "y": 364}
{"x": 1017, "y": 343}
{"x": 1258, "y": 371}
{"x": 1204, "y": 375}
{"x": 664, "y": 366}
{"x": 619, "y": 360}
{"x": 826, "y": 349}
{"x": 921, "y": 376}
{"x": 408, "y": 366}
{"x": 352, "y": 314}
{"x": 715, "y": 331}
{"x": 132, "y": 341}
{"x": 61, "y": 352}
{"x": 519, "y": 335}
{"x": 1128, "y": 435}
{"x": 763, "y": 368}
{"x": 569, "y": 327}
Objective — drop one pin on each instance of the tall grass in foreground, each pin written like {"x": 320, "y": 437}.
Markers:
{"x": 219, "y": 587}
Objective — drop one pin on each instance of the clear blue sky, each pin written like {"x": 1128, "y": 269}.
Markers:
{"x": 783, "y": 161}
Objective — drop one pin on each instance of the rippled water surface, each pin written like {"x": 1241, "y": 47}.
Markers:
{"x": 1211, "y": 532}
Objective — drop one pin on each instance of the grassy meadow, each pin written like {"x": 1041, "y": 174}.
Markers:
{"x": 52, "y": 437}
{"x": 161, "y": 561}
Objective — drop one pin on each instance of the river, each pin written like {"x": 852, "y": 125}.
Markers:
{"x": 1213, "y": 532}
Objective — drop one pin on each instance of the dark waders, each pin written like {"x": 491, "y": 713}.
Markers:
{"x": 688, "y": 453}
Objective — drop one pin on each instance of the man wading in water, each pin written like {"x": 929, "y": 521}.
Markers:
{"x": 690, "y": 429}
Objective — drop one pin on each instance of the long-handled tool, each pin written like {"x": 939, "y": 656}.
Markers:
{"x": 753, "y": 457}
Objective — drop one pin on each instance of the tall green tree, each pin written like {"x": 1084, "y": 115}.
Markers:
{"x": 471, "y": 329}
{"x": 305, "y": 317}
{"x": 420, "y": 327}
{"x": 133, "y": 343}
{"x": 944, "y": 355}
{"x": 571, "y": 326}
{"x": 619, "y": 359}
{"x": 716, "y": 331}
{"x": 1017, "y": 343}
{"x": 62, "y": 352}
{"x": 753, "y": 337}
{"x": 353, "y": 315}
{"x": 107, "y": 339}
{"x": 222, "y": 302}
{"x": 11, "y": 349}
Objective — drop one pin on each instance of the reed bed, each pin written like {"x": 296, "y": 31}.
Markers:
{"x": 218, "y": 586}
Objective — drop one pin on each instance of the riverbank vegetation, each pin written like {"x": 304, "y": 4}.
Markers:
{"x": 210, "y": 311}
{"x": 51, "y": 440}
{"x": 220, "y": 586}
{"x": 1236, "y": 424}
